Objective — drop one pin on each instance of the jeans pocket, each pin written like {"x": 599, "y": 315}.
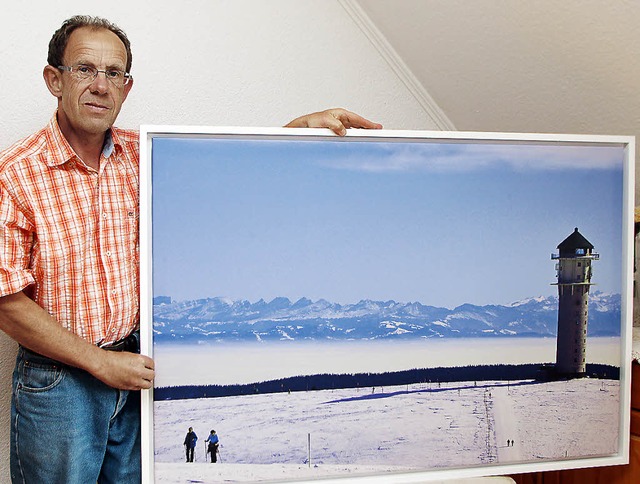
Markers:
{"x": 36, "y": 376}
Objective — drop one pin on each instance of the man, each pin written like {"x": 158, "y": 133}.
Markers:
{"x": 69, "y": 267}
{"x": 190, "y": 444}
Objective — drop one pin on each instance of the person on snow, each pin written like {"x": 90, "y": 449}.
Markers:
{"x": 190, "y": 443}
{"x": 214, "y": 442}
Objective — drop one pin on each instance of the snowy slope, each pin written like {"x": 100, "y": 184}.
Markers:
{"x": 359, "y": 431}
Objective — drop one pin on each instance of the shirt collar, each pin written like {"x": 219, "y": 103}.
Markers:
{"x": 62, "y": 152}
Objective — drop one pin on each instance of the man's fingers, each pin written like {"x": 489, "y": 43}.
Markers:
{"x": 128, "y": 371}
{"x": 337, "y": 120}
{"x": 353, "y": 120}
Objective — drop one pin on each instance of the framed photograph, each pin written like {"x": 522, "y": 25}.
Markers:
{"x": 395, "y": 306}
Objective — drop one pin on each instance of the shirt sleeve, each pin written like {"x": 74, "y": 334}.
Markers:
{"x": 16, "y": 239}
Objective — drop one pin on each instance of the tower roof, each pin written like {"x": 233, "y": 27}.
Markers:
{"x": 575, "y": 241}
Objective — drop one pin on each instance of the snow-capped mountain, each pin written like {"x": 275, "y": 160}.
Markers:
{"x": 280, "y": 319}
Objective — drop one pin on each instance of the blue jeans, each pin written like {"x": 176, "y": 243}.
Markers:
{"x": 69, "y": 427}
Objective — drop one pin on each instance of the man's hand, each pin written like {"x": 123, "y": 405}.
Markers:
{"x": 32, "y": 327}
{"x": 126, "y": 371}
{"x": 338, "y": 120}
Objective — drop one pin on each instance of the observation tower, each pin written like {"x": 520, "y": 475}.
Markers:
{"x": 574, "y": 280}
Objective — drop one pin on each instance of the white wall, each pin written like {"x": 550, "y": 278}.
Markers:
{"x": 199, "y": 62}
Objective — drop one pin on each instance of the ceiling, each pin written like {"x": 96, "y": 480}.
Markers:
{"x": 570, "y": 66}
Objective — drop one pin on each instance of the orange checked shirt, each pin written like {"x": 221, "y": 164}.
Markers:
{"x": 69, "y": 233}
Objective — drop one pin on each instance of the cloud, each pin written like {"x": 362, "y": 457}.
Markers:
{"x": 467, "y": 157}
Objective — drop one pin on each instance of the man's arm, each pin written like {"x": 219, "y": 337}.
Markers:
{"x": 337, "y": 119}
{"x": 32, "y": 327}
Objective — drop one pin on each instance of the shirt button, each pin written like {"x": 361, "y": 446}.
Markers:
{"x": 108, "y": 253}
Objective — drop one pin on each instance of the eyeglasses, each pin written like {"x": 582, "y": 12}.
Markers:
{"x": 83, "y": 72}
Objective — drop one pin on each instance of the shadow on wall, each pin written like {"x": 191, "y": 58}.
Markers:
{"x": 8, "y": 351}
{"x": 636, "y": 270}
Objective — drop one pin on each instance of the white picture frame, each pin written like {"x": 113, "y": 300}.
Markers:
{"x": 502, "y": 170}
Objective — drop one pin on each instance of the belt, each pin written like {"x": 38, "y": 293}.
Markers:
{"x": 130, "y": 344}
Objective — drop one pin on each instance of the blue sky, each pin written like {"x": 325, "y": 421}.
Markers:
{"x": 442, "y": 224}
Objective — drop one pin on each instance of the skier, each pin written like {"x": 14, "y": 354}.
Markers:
{"x": 214, "y": 442}
{"x": 190, "y": 444}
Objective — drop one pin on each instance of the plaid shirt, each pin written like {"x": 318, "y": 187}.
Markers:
{"x": 69, "y": 234}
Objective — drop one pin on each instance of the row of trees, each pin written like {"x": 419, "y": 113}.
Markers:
{"x": 360, "y": 380}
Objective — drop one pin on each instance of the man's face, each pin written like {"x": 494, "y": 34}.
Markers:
{"x": 90, "y": 107}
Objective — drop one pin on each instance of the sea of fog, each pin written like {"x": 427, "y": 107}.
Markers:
{"x": 247, "y": 362}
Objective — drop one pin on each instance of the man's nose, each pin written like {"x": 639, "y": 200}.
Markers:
{"x": 100, "y": 83}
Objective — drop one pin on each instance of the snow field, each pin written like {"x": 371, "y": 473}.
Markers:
{"x": 567, "y": 419}
{"x": 390, "y": 429}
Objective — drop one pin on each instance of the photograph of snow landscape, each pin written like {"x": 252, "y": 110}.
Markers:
{"x": 380, "y": 306}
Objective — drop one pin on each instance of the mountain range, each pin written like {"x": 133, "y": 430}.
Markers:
{"x": 223, "y": 319}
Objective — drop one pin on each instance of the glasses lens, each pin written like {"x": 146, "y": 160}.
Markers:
{"x": 85, "y": 72}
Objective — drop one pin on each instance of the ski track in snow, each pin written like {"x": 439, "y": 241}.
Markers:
{"x": 506, "y": 426}
{"x": 403, "y": 428}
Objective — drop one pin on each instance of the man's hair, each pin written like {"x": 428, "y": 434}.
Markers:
{"x": 60, "y": 39}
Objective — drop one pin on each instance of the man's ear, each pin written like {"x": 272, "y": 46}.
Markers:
{"x": 127, "y": 88}
{"x": 53, "y": 80}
